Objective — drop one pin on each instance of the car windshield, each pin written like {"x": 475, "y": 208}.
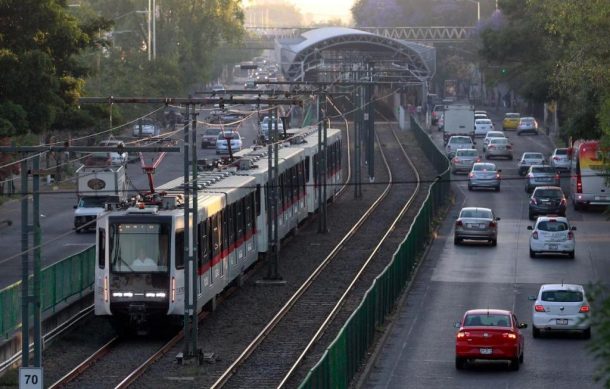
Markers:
{"x": 552, "y": 225}
{"x": 562, "y": 296}
{"x": 532, "y": 156}
{"x": 493, "y": 320}
{"x": 543, "y": 169}
{"x": 550, "y": 193}
{"x": 212, "y": 131}
{"x": 484, "y": 167}
{"x": 500, "y": 141}
{"x": 466, "y": 153}
{"x": 478, "y": 213}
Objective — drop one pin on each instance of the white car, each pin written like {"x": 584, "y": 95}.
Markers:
{"x": 222, "y": 147}
{"x": 116, "y": 158}
{"x": 480, "y": 113}
{"x": 552, "y": 235}
{"x": 145, "y": 127}
{"x": 528, "y": 159}
{"x": 458, "y": 142}
{"x": 561, "y": 307}
{"x": 492, "y": 134}
{"x": 560, "y": 159}
{"x": 482, "y": 127}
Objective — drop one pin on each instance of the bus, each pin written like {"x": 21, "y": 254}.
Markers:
{"x": 589, "y": 183}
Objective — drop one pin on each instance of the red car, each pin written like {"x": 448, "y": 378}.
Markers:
{"x": 492, "y": 334}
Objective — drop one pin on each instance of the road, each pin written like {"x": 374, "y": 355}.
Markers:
{"x": 57, "y": 213}
{"x": 419, "y": 350}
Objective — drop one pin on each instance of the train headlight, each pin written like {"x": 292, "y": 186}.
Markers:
{"x": 160, "y": 294}
{"x": 150, "y": 294}
{"x": 173, "y": 289}
{"x": 106, "y": 290}
{"x": 117, "y": 294}
{"x": 127, "y": 294}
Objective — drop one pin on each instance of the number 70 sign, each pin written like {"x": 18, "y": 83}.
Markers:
{"x": 30, "y": 378}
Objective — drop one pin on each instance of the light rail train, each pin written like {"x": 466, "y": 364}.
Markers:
{"x": 140, "y": 250}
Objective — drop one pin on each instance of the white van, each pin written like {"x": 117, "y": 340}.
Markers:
{"x": 588, "y": 181}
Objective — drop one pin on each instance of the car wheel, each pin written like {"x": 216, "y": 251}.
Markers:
{"x": 460, "y": 363}
{"x": 571, "y": 254}
{"x": 586, "y": 334}
{"x": 514, "y": 364}
{"x": 457, "y": 241}
{"x": 510, "y": 157}
{"x": 494, "y": 242}
{"x": 470, "y": 187}
{"x": 497, "y": 188}
{"x": 521, "y": 358}
{"x": 577, "y": 206}
{"x": 535, "y": 332}
{"x": 532, "y": 254}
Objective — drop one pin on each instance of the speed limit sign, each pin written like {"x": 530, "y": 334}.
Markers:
{"x": 30, "y": 378}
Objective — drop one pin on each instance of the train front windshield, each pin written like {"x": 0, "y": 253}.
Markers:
{"x": 139, "y": 247}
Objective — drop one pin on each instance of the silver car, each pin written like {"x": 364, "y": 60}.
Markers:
{"x": 492, "y": 134}
{"x": 476, "y": 224}
{"x": 528, "y": 159}
{"x": 499, "y": 147}
{"x": 540, "y": 175}
{"x": 560, "y": 159}
{"x": 464, "y": 159}
{"x": 484, "y": 175}
{"x": 222, "y": 145}
{"x": 527, "y": 124}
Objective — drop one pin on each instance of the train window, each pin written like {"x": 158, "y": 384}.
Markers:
{"x": 231, "y": 223}
{"x": 224, "y": 234}
{"x": 240, "y": 219}
{"x": 258, "y": 199}
{"x": 179, "y": 250}
{"x": 249, "y": 211}
{"x": 316, "y": 161}
{"x": 101, "y": 248}
{"x": 307, "y": 159}
{"x": 204, "y": 242}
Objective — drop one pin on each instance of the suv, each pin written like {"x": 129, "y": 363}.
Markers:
{"x": 538, "y": 175}
{"x": 528, "y": 159}
{"x": 560, "y": 159}
{"x": 547, "y": 200}
{"x": 552, "y": 234}
{"x": 145, "y": 127}
{"x": 458, "y": 142}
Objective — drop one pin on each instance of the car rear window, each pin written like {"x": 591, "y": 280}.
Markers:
{"x": 460, "y": 139}
{"x": 562, "y": 296}
{"x": 482, "y": 121}
{"x": 484, "y": 166}
{"x": 552, "y": 226}
{"x": 480, "y": 213}
{"x": 499, "y": 141}
{"x": 533, "y": 156}
{"x": 543, "y": 169}
{"x": 467, "y": 153}
{"x": 552, "y": 193}
{"x": 561, "y": 152}
{"x": 495, "y": 320}
{"x": 512, "y": 116}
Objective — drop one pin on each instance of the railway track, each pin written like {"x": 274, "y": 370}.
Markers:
{"x": 278, "y": 350}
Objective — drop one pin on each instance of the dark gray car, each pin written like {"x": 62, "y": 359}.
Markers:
{"x": 476, "y": 224}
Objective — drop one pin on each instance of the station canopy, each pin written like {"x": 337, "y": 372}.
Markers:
{"x": 346, "y": 54}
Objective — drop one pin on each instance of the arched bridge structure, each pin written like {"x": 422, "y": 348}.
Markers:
{"x": 345, "y": 54}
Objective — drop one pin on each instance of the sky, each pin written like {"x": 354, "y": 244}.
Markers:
{"x": 325, "y": 9}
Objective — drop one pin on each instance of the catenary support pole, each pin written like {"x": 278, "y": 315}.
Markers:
{"x": 187, "y": 268}
{"x": 35, "y": 298}
{"x": 194, "y": 233}
{"x": 25, "y": 268}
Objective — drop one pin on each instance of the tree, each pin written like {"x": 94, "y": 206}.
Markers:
{"x": 40, "y": 75}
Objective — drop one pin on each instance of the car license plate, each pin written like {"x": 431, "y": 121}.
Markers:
{"x": 552, "y": 247}
{"x": 501, "y": 148}
{"x": 601, "y": 197}
{"x": 562, "y": 322}
{"x": 482, "y": 225}
{"x": 485, "y": 351}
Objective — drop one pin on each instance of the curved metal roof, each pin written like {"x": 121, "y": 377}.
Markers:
{"x": 299, "y": 55}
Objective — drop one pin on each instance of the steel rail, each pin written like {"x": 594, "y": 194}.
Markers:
{"x": 350, "y": 287}
{"x": 222, "y": 380}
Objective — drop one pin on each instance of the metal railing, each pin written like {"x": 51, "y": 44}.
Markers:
{"x": 72, "y": 276}
{"x": 344, "y": 356}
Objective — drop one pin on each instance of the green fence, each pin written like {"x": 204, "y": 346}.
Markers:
{"x": 344, "y": 356}
{"x": 69, "y": 277}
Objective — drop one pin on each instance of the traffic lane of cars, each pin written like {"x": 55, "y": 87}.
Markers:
{"x": 421, "y": 349}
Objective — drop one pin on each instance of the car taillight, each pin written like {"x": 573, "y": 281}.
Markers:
{"x": 463, "y": 334}
{"x": 563, "y": 202}
{"x": 491, "y": 147}
{"x": 555, "y": 158}
{"x": 492, "y": 224}
{"x": 570, "y": 235}
{"x": 535, "y": 235}
{"x": 459, "y": 223}
{"x": 539, "y": 308}
{"x": 584, "y": 309}
{"x": 498, "y": 176}
{"x": 471, "y": 175}
{"x": 533, "y": 201}
{"x": 509, "y": 335}
{"x": 578, "y": 184}
{"x": 456, "y": 160}
{"x": 509, "y": 147}
{"x": 478, "y": 159}
{"x": 557, "y": 176}
{"x": 530, "y": 175}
